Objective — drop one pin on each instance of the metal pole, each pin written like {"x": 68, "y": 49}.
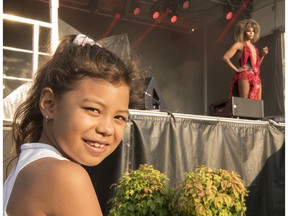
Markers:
{"x": 205, "y": 76}
{"x": 54, "y": 5}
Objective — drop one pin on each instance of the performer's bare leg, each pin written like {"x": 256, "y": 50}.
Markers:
{"x": 260, "y": 92}
{"x": 244, "y": 88}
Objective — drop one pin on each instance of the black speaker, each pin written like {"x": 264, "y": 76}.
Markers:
{"x": 238, "y": 107}
{"x": 153, "y": 98}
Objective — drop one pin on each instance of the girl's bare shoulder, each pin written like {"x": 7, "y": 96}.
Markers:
{"x": 58, "y": 186}
{"x": 51, "y": 169}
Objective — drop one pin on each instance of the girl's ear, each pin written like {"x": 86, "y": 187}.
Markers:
{"x": 47, "y": 101}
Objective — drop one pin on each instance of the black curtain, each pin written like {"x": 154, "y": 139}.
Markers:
{"x": 175, "y": 144}
{"x": 272, "y": 74}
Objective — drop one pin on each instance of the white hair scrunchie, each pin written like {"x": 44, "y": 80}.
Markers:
{"x": 82, "y": 40}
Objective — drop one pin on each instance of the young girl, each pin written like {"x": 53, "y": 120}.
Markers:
{"x": 75, "y": 114}
{"x": 246, "y": 82}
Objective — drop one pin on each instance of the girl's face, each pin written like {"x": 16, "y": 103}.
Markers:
{"x": 88, "y": 122}
{"x": 249, "y": 33}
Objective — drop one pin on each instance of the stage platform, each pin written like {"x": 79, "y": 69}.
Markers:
{"x": 176, "y": 143}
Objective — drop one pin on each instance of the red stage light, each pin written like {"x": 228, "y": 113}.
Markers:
{"x": 229, "y": 15}
{"x": 117, "y": 15}
{"x": 136, "y": 8}
{"x": 136, "y": 11}
{"x": 155, "y": 11}
{"x": 185, "y": 4}
{"x": 156, "y": 14}
{"x": 173, "y": 18}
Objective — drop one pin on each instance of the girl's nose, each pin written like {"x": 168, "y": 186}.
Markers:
{"x": 105, "y": 127}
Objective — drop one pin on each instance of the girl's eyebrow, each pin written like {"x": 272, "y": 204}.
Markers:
{"x": 124, "y": 111}
{"x": 91, "y": 100}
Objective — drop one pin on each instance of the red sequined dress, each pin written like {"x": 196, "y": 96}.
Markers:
{"x": 252, "y": 75}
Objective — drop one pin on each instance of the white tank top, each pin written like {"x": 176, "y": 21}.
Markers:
{"x": 29, "y": 153}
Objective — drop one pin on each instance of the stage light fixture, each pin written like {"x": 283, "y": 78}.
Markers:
{"x": 173, "y": 17}
{"x": 229, "y": 15}
{"x": 170, "y": 7}
{"x": 155, "y": 11}
{"x": 184, "y": 3}
{"x": 119, "y": 13}
{"x": 119, "y": 9}
{"x": 136, "y": 8}
{"x": 228, "y": 10}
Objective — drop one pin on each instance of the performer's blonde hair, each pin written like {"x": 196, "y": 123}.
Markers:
{"x": 242, "y": 26}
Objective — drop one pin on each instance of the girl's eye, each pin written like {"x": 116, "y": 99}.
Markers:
{"x": 122, "y": 118}
{"x": 94, "y": 110}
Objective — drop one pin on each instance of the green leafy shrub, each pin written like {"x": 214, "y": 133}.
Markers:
{"x": 144, "y": 191}
{"x": 210, "y": 192}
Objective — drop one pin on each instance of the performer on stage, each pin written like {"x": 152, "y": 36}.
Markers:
{"x": 246, "y": 81}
